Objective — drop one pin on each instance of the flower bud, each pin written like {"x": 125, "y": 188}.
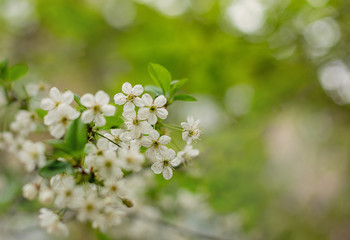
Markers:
{"x": 46, "y": 196}
{"x": 30, "y": 191}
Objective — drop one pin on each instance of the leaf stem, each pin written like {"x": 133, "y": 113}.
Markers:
{"x": 106, "y": 138}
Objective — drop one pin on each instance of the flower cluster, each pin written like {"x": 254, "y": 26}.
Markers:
{"x": 84, "y": 170}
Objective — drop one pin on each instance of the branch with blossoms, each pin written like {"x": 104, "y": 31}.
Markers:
{"x": 81, "y": 173}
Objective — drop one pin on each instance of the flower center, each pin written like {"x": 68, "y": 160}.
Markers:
{"x": 108, "y": 164}
{"x": 152, "y": 108}
{"x": 99, "y": 153}
{"x": 156, "y": 144}
{"x": 89, "y": 207}
{"x": 114, "y": 188}
{"x": 96, "y": 108}
{"x": 68, "y": 193}
{"x": 64, "y": 120}
{"x": 136, "y": 122}
{"x": 165, "y": 162}
{"x": 130, "y": 97}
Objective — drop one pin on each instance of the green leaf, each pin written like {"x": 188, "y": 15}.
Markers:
{"x": 101, "y": 236}
{"x": 112, "y": 122}
{"x": 76, "y": 136}
{"x": 53, "y": 168}
{"x": 184, "y": 97}
{"x": 160, "y": 75}
{"x": 41, "y": 113}
{"x": 3, "y": 70}
{"x": 17, "y": 71}
{"x": 176, "y": 85}
{"x": 59, "y": 144}
{"x": 154, "y": 89}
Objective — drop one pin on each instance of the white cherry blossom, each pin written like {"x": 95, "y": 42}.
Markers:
{"x": 187, "y": 154}
{"x": 165, "y": 161}
{"x": 191, "y": 130}
{"x": 130, "y": 157}
{"x": 30, "y": 190}
{"x": 24, "y": 123}
{"x": 97, "y": 108}
{"x": 135, "y": 125}
{"x": 96, "y": 151}
{"x": 153, "y": 109}
{"x": 56, "y": 99}
{"x": 107, "y": 166}
{"x": 46, "y": 196}
{"x": 90, "y": 206}
{"x": 131, "y": 97}
{"x": 68, "y": 194}
{"x": 155, "y": 143}
{"x": 117, "y": 136}
{"x": 51, "y": 222}
{"x": 32, "y": 155}
{"x": 59, "y": 119}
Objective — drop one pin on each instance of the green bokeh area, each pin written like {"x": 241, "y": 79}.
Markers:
{"x": 283, "y": 166}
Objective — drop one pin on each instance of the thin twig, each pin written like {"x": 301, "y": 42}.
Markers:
{"x": 107, "y": 138}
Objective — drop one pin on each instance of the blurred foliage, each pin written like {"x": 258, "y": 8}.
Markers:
{"x": 71, "y": 44}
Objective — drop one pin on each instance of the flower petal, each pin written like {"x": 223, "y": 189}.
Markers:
{"x": 87, "y": 100}
{"x": 138, "y": 102}
{"x": 47, "y": 104}
{"x": 55, "y": 94}
{"x": 152, "y": 118}
{"x": 119, "y": 99}
{"x": 129, "y": 106}
{"x": 101, "y": 98}
{"x": 164, "y": 139}
{"x": 87, "y": 116}
{"x": 108, "y": 110}
{"x": 160, "y": 101}
{"x": 147, "y": 99}
{"x": 137, "y": 90}
{"x": 154, "y": 134}
{"x": 162, "y": 113}
{"x": 57, "y": 130}
{"x": 157, "y": 167}
{"x": 100, "y": 120}
{"x": 130, "y": 115}
{"x": 143, "y": 113}
{"x": 127, "y": 88}
{"x": 170, "y": 154}
{"x": 68, "y": 97}
{"x": 176, "y": 162}
{"x": 51, "y": 117}
{"x": 146, "y": 141}
{"x": 167, "y": 173}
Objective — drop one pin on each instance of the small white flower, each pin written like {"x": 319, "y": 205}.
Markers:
{"x": 96, "y": 151}
{"x": 187, "y": 154}
{"x": 117, "y": 136}
{"x": 29, "y": 191}
{"x": 32, "y": 155}
{"x": 164, "y": 164}
{"x": 98, "y": 107}
{"x": 46, "y": 196}
{"x": 24, "y": 123}
{"x": 131, "y": 97}
{"x": 6, "y": 139}
{"x": 135, "y": 125}
{"x": 51, "y": 222}
{"x": 89, "y": 207}
{"x": 114, "y": 188}
{"x": 108, "y": 166}
{"x": 59, "y": 119}
{"x": 68, "y": 194}
{"x": 56, "y": 99}
{"x": 191, "y": 130}
{"x": 33, "y": 89}
{"x": 130, "y": 157}
{"x": 110, "y": 217}
{"x": 152, "y": 110}
{"x": 155, "y": 143}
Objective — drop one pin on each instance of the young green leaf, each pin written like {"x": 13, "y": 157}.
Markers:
{"x": 76, "y": 135}
{"x": 160, "y": 75}
{"x": 184, "y": 97}
{"x": 54, "y": 167}
{"x": 176, "y": 85}
{"x": 3, "y": 70}
{"x": 153, "y": 89}
{"x": 17, "y": 71}
{"x": 112, "y": 122}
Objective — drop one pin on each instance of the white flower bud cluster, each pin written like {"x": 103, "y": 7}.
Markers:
{"x": 91, "y": 183}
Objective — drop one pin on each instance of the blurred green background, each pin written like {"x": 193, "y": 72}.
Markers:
{"x": 272, "y": 78}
